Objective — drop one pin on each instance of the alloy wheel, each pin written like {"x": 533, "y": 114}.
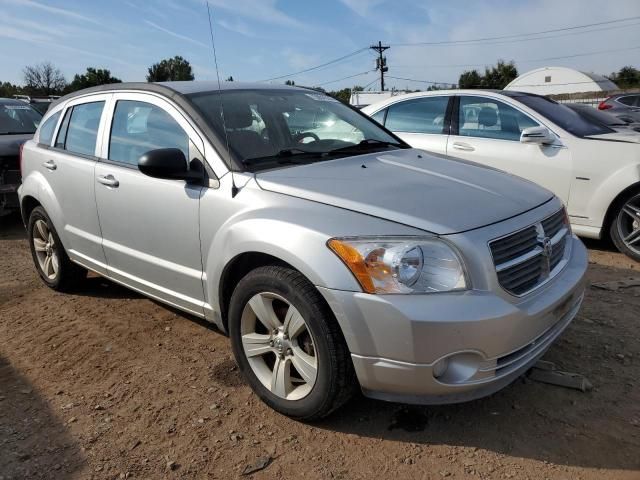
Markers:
{"x": 45, "y": 248}
{"x": 279, "y": 346}
{"x": 628, "y": 224}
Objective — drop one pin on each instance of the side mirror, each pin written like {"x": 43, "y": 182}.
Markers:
{"x": 167, "y": 163}
{"x": 539, "y": 135}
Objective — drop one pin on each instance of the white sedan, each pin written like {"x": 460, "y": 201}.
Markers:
{"x": 592, "y": 168}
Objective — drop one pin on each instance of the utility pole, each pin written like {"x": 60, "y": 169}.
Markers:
{"x": 381, "y": 61}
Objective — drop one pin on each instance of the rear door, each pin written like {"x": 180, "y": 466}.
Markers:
{"x": 421, "y": 122}
{"x": 68, "y": 166}
{"x": 150, "y": 226}
{"x": 486, "y": 130}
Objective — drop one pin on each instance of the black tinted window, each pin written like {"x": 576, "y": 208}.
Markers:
{"x": 47, "y": 129}
{"x": 629, "y": 100}
{"x": 563, "y": 116}
{"x": 422, "y": 115}
{"x": 82, "y": 131}
{"x": 489, "y": 118}
{"x": 139, "y": 127}
{"x": 18, "y": 118}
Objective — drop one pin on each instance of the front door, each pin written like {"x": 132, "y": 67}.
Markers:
{"x": 150, "y": 226}
{"x": 487, "y": 131}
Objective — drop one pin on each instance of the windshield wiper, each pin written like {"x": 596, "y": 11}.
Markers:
{"x": 285, "y": 156}
{"x": 17, "y": 133}
{"x": 366, "y": 145}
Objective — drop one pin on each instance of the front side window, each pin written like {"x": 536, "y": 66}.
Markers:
{"x": 79, "y": 130}
{"x": 47, "y": 129}
{"x": 139, "y": 127}
{"x": 421, "y": 115}
{"x": 488, "y": 118}
{"x": 379, "y": 116}
{"x": 17, "y": 118}
{"x": 266, "y": 128}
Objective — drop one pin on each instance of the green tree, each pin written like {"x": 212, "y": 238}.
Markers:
{"x": 230, "y": 79}
{"x": 291, "y": 83}
{"x": 170, "y": 69}
{"x": 8, "y": 90}
{"x": 500, "y": 75}
{"x": 43, "y": 79}
{"x": 344, "y": 95}
{"x": 626, "y": 77}
{"x": 91, "y": 78}
{"x": 470, "y": 79}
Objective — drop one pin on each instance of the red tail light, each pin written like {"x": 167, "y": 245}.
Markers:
{"x": 604, "y": 105}
{"x": 21, "y": 147}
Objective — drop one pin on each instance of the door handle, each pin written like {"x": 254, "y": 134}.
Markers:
{"x": 463, "y": 146}
{"x": 108, "y": 180}
{"x": 50, "y": 165}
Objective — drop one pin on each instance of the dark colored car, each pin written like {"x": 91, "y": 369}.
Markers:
{"x": 624, "y": 105}
{"x": 18, "y": 123}
{"x": 604, "y": 118}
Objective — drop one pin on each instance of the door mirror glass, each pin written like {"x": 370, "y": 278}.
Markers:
{"x": 539, "y": 135}
{"x": 168, "y": 163}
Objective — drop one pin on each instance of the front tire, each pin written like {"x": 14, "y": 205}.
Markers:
{"x": 625, "y": 227}
{"x": 288, "y": 345}
{"x": 50, "y": 259}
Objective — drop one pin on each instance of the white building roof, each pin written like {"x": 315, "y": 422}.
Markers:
{"x": 556, "y": 80}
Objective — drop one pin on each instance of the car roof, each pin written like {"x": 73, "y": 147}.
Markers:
{"x": 12, "y": 101}
{"x": 170, "y": 89}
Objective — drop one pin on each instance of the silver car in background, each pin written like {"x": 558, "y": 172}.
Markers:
{"x": 331, "y": 263}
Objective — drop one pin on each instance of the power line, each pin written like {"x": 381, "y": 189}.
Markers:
{"x": 310, "y": 69}
{"x": 346, "y": 78}
{"x": 422, "y": 81}
{"x": 468, "y": 65}
{"x": 513, "y": 36}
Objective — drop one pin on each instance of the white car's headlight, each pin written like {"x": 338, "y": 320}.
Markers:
{"x": 402, "y": 265}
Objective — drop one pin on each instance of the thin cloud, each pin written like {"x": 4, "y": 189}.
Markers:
{"x": 237, "y": 27}
{"x": 264, "y": 11}
{"x": 49, "y": 9}
{"x": 176, "y": 35}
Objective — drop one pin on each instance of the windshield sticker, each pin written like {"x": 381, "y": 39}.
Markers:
{"x": 321, "y": 98}
{"x": 17, "y": 107}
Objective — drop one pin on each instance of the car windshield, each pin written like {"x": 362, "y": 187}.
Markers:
{"x": 563, "y": 116}
{"x": 17, "y": 118}
{"x": 267, "y": 128}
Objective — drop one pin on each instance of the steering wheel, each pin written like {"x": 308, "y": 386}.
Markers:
{"x": 298, "y": 138}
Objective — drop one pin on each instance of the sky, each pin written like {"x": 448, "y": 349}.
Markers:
{"x": 257, "y": 40}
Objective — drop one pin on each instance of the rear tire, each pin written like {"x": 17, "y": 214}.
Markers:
{"x": 279, "y": 322}
{"x": 625, "y": 225}
{"x": 50, "y": 259}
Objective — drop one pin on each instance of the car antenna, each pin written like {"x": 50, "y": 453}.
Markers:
{"x": 234, "y": 188}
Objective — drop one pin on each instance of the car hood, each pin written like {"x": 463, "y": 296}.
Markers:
{"x": 430, "y": 192}
{"x": 10, "y": 144}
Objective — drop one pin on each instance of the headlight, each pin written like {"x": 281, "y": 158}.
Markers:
{"x": 401, "y": 265}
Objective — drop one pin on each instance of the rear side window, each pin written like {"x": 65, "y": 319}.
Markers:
{"x": 47, "y": 129}
{"x": 422, "y": 115}
{"x": 488, "y": 118}
{"x": 79, "y": 130}
{"x": 139, "y": 127}
{"x": 629, "y": 100}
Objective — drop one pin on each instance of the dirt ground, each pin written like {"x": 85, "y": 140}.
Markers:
{"x": 106, "y": 384}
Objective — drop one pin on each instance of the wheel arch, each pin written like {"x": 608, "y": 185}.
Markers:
{"x": 613, "y": 206}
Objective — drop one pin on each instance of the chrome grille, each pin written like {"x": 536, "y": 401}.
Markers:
{"x": 527, "y": 258}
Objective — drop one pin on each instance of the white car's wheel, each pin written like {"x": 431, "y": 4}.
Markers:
{"x": 625, "y": 228}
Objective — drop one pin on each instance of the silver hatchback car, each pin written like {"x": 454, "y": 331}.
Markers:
{"x": 333, "y": 255}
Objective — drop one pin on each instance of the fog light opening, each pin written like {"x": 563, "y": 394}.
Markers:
{"x": 440, "y": 367}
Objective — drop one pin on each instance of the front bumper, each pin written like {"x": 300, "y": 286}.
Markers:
{"x": 398, "y": 342}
